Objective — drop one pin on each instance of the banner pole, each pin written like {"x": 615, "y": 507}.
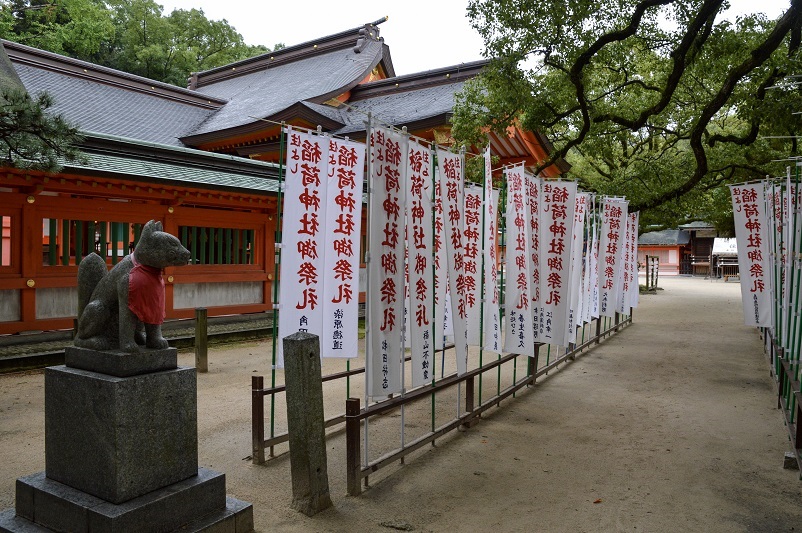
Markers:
{"x": 793, "y": 356}
{"x": 404, "y": 331}
{"x": 278, "y": 238}
{"x": 482, "y": 277}
{"x": 502, "y": 294}
{"x": 434, "y": 198}
{"x": 368, "y": 322}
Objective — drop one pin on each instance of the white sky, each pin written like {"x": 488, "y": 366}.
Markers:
{"x": 422, "y": 34}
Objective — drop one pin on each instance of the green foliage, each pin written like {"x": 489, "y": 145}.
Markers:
{"x": 664, "y": 113}
{"x": 129, "y": 35}
{"x": 30, "y": 137}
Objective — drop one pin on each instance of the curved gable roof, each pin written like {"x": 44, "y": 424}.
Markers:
{"x": 316, "y": 71}
{"x": 103, "y": 100}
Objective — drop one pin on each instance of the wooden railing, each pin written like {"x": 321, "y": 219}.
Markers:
{"x": 354, "y": 416}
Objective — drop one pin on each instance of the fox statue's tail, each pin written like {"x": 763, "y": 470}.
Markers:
{"x": 90, "y": 272}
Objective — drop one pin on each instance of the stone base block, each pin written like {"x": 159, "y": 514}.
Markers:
{"x": 117, "y": 438}
{"x": 195, "y": 504}
{"x": 121, "y": 364}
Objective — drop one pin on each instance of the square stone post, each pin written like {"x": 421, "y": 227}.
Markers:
{"x": 305, "y": 423}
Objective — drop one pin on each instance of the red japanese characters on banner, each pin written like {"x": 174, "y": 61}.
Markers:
{"x": 611, "y": 254}
{"x": 534, "y": 188}
{"x": 472, "y": 241}
{"x": 490, "y": 316}
{"x": 342, "y": 229}
{"x": 751, "y": 233}
{"x": 575, "y": 294}
{"x": 385, "y": 297}
{"x": 305, "y": 201}
{"x": 590, "y": 287}
{"x": 452, "y": 179}
{"x": 628, "y": 280}
{"x": 594, "y": 271}
{"x": 556, "y": 230}
{"x": 442, "y": 311}
{"x": 634, "y": 288}
{"x": 420, "y": 244}
{"x": 519, "y": 328}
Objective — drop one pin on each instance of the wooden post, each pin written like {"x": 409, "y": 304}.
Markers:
{"x": 598, "y": 329}
{"x": 617, "y": 320}
{"x": 469, "y": 399}
{"x": 798, "y": 433}
{"x": 201, "y": 338}
{"x": 306, "y": 424}
{"x": 258, "y": 419}
{"x": 352, "y": 446}
{"x": 533, "y": 365}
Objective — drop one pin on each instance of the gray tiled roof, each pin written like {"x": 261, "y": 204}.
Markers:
{"x": 667, "y": 237}
{"x": 697, "y": 224}
{"x": 115, "y": 110}
{"x": 266, "y": 92}
{"x": 401, "y": 108}
{"x": 150, "y": 162}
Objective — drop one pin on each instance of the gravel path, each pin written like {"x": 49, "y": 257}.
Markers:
{"x": 669, "y": 426}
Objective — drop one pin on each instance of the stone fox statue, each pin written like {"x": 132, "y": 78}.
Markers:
{"x": 124, "y": 308}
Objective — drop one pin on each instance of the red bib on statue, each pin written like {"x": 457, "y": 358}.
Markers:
{"x": 146, "y": 293}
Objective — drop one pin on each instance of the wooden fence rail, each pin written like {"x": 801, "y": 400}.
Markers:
{"x": 355, "y": 415}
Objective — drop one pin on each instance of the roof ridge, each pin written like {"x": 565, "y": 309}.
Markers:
{"x": 43, "y": 59}
{"x": 356, "y": 37}
{"x": 418, "y": 80}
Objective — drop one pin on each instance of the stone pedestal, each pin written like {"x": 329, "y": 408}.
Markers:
{"x": 121, "y": 452}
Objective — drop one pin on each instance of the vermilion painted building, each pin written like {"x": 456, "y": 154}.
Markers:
{"x": 204, "y": 160}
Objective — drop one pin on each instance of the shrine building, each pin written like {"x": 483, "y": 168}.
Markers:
{"x": 204, "y": 161}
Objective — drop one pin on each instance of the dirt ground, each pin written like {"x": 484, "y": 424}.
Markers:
{"x": 669, "y": 426}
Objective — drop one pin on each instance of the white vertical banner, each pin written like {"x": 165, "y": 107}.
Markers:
{"x": 491, "y": 318}
{"x": 472, "y": 243}
{"x": 342, "y": 228}
{"x": 634, "y": 289}
{"x": 575, "y": 293}
{"x": 385, "y": 297}
{"x": 777, "y": 246}
{"x": 751, "y": 234}
{"x": 587, "y": 275}
{"x": 519, "y": 329}
{"x": 789, "y": 206}
{"x": 534, "y": 187}
{"x": 420, "y": 243}
{"x": 625, "y": 296}
{"x": 557, "y": 204}
{"x": 302, "y": 266}
{"x": 442, "y": 303}
{"x": 452, "y": 178}
{"x": 594, "y": 272}
{"x": 611, "y": 253}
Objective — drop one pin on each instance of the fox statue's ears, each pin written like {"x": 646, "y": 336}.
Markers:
{"x": 150, "y": 227}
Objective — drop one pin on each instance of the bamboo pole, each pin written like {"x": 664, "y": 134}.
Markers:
{"x": 277, "y": 240}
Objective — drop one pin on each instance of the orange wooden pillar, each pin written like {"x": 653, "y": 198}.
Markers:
{"x": 30, "y": 257}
